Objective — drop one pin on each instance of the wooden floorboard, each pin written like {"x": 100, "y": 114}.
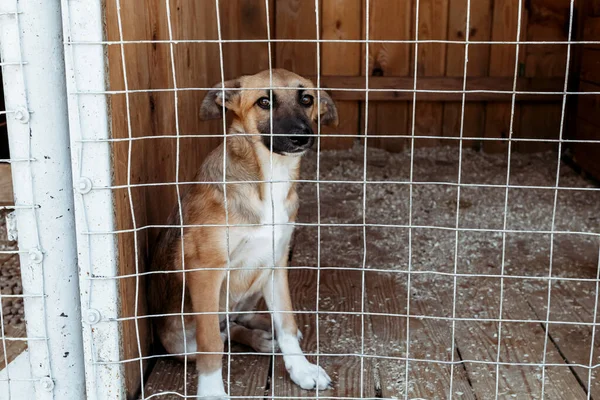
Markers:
{"x": 571, "y": 302}
{"x": 429, "y": 340}
{"x": 248, "y": 376}
{"x": 13, "y": 347}
{"x": 521, "y": 342}
{"x": 167, "y": 377}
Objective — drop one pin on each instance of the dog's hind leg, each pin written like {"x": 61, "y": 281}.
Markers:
{"x": 258, "y": 339}
{"x": 179, "y": 342}
{"x": 256, "y": 321}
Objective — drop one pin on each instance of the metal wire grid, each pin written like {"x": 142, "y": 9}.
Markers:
{"x": 16, "y": 380}
{"x": 108, "y": 187}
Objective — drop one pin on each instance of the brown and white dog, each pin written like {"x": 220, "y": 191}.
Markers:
{"x": 252, "y": 248}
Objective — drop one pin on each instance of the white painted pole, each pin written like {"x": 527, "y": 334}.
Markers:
{"x": 40, "y": 132}
{"x": 94, "y": 208}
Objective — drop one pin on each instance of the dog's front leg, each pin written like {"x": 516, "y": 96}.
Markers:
{"x": 302, "y": 372}
{"x": 205, "y": 288}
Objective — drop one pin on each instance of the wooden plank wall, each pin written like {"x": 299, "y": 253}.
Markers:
{"x": 478, "y": 66}
{"x": 388, "y": 59}
{"x": 342, "y": 19}
{"x": 502, "y": 63}
{"x": 547, "y": 21}
{"x": 494, "y": 20}
{"x": 440, "y": 65}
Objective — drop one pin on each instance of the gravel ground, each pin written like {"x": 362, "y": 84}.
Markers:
{"x": 434, "y": 205}
{"x": 10, "y": 279}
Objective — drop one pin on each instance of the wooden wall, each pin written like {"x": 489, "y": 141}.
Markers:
{"x": 343, "y": 65}
{"x": 439, "y": 66}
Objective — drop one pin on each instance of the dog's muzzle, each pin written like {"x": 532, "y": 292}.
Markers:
{"x": 290, "y": 136}
{"x": 301, "y": 139}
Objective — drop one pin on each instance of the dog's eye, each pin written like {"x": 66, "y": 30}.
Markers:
{"x": 264, "y": 103}
{"x": 307, "y": 100}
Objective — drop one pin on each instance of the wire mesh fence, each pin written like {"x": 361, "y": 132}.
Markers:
{"x": 430, "y": 273}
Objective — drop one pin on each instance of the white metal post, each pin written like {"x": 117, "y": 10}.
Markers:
{"x": 31, "y": 37}
{"x": 89, "y": 124}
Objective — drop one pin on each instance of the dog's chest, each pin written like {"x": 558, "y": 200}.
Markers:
{"x": 265, "y": 245}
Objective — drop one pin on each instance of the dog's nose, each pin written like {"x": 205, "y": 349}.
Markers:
{"x": 300, "y": 140}
{"x": 302, "y": 136}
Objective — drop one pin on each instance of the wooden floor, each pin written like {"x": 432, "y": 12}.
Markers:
{"x": 381, "y": 372}
{"x": 13, "y": 347}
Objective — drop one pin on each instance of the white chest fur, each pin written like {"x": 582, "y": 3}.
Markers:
{"x": 265, "y": 245}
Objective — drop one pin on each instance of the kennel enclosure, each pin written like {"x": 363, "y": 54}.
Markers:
{"x": 441, "y": 188}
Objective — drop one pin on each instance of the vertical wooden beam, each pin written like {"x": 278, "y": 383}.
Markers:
{"x": 295, "y": 19}
{"x": 433, "y": 25}
{"x": 196, "y": 65}
{"x": 341, "y": 19}
{"x": 502, "y": 63}
{"x": 389, "y": 20}
{"x": 478, "y": 65}
{"x": 138, "y": 60}
{"x": 245, "y": 19}
{"x": 547, "y": 21}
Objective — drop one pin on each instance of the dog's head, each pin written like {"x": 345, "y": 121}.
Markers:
{"x": 292, "y": 104}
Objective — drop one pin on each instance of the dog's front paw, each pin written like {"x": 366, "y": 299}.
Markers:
{"x": 209, "y": 394}
{"x": 222, "y": 396}
{"x": 210, "y": 387}
{"x": 309, "y": 376}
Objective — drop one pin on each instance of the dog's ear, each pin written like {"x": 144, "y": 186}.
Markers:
{"x": 212, "y": 105}
{"x": 328, "y": 110}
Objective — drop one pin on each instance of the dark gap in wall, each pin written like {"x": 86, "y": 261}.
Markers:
{"x": 567, "y": 158}
{"x": 4, "y": 152}
{"x": 273, "y": 19}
